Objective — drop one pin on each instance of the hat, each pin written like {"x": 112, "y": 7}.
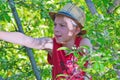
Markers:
{"x": 72, "y": 11}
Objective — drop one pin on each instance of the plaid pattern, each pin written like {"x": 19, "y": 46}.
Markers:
{"x": 72, "y": 11}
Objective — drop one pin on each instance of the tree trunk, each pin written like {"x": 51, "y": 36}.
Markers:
{"x": 29, "y": 51}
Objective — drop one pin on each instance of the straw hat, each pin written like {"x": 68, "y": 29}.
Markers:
{"x": 72, "y": 11}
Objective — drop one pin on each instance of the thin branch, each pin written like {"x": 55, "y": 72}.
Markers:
{"x": 1, "y": 78}
{"x": 29, "y": 51}
{"x": 116, "y": 4}
{"x": 91, "y": 6}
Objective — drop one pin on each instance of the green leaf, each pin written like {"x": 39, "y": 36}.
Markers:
{"x": 76, "y": 54}
{"x": 101, "y": 67}
{"x": 7, "y": 17}
{"x": 63, "y": 48}
{"x": 62, "y": 75}
{"x": 96, "y": 66}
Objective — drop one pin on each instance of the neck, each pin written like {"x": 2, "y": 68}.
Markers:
{"x": 69, "y": 44}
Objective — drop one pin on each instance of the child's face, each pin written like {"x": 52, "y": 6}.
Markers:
{"x": 64, "y": 30}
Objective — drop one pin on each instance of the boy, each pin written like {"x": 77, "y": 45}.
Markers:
{"x": 68, "y": 24}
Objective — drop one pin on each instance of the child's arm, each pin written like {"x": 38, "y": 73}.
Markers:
{"x": 21, "y": 39}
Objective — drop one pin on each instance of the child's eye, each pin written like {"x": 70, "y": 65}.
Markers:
{"x": 62, "y": 25}
{"x": 54, "y": 24}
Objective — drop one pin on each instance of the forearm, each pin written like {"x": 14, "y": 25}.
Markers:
{"x": 13, "y": 37}
{"x": 21, "y": 39}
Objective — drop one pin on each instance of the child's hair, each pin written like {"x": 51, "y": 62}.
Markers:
{"x": 82, "y": 32}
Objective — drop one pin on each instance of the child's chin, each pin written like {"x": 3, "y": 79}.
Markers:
{"x": 59, "y": 42}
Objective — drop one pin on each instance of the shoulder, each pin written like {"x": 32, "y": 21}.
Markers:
{"x": 86, "y": 42}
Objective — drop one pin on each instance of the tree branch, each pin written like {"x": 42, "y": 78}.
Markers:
{"x": 111, "y": 9}
{"x": 29, "y": 51}
{"x": 1, "y": 78}
{"x": 91, "y": 6}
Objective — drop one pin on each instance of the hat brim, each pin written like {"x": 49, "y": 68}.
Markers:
{"x": 53, "y": 14}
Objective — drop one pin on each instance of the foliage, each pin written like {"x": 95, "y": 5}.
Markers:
{"x": 103, "y": 31}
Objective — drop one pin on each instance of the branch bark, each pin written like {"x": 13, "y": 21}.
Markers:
{"x": 111, "y": 9}
{"x": 1, "y": 78}
{"x": 29, "y": 51}
{"x": 91, "y": 6}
